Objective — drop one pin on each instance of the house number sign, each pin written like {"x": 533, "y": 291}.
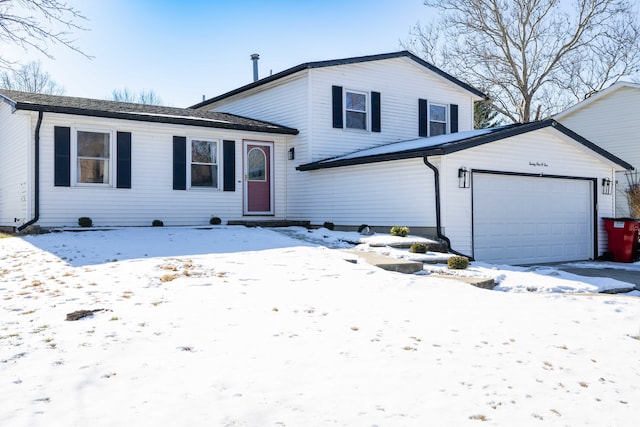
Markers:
{"x": 539, "y": 164}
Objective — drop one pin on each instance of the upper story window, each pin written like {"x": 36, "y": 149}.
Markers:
{"x": 437, "y": 119}
{"x": 93, "y": 155}
{"x": 356, "y": 110}
{"x": 204, "y": 163}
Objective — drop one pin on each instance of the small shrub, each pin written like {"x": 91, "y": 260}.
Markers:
{"x": 328, "y": 225}
{"x": 157, "y": 223}
{"x": 458, "y": 263}
{"x": 399, "y": 231}
{"x": 362, "y": 228}
{"x": 418, "y": 248}
{"x": 215, "y": 220}
{"x": 85, "y": 221}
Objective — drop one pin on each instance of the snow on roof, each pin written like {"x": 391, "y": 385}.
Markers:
{"x": 414, "y": 144}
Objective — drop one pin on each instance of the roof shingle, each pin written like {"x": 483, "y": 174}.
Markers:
{"x": 137, "y": 112}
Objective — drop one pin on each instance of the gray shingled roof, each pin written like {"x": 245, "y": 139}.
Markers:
{"x": 137, "y": 112}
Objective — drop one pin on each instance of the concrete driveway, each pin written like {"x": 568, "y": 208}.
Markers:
{"x": 621, "y": 274}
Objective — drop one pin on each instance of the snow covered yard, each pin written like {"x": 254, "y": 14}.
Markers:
{"x": 252, "y": 327}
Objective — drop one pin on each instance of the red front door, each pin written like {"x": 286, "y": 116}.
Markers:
{"x": 258, "y": 198}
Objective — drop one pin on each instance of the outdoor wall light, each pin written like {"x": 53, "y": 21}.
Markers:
{"x": 463, "y": 178}
{"x": 292, "y": 153}
{"x": 606, "y": 186}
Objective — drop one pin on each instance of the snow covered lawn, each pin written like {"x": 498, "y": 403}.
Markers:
{"x": 252, "y": 327}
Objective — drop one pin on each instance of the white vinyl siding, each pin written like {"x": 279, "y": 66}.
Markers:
{"x": 16, "y": 179}
{"x": 528, "y": 154}
{"x": 304, "y": 101}
{"x": 612, "y": 123}
{"x": 399, "y": 103}
{"x": 379, "y": 194}
{"x": 151, "y": 195}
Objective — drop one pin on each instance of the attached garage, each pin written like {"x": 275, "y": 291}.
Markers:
{"x": 518, "y": 194}
{"x": 540, "y": 219}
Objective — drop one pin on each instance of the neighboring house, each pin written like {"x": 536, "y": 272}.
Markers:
{"x": 380, "y": 140}
{"x": 611, "y": 119}
{"x": 388, "y": 140}
{"x": 128, "y": 164}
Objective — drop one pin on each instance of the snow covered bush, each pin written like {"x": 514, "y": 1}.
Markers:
{"x": 399, "y": 231}
{"x": 328, "y": 225}
{"x": 157, "y": 223}
{"x": 215, "y": 220}
{"x": 458, "y": 263}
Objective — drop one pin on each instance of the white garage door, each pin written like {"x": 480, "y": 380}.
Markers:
{"x": 526, "y": 220}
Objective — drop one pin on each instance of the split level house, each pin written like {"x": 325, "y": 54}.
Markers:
{"x": 380, "y": 140}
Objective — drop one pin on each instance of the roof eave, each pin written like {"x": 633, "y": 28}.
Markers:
{"x": 152, "y": 118}
{"x": 326, "y": 164}
{"x": 334, "y": 62}
{"x": 600, "y": 94}
{"x": 8, "y": 101}
{"x": 471, "y": 142}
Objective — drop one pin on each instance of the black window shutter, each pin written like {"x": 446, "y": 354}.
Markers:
{"x": 453, "y": 111}
{"x": 229, "y": 165}
{"x": 422, "y": 117}
{"x": 62, "y": 156}
{"x": 123, "y": 160}
{"x": 375, "y": 111}
{"x": 179, "y": 163}
{"x": 336, "y": 93}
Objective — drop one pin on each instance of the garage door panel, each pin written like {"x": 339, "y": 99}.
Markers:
{"x": 523, "y": 220}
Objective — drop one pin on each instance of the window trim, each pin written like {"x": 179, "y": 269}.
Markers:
{"x": 446, "y": 120}
{"x": 74, "y": 157}
{"x": 367, "y": 111}
{"x": 190, "y": 162}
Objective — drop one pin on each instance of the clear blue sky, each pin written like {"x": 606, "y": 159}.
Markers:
{"x": 185, "y": 49}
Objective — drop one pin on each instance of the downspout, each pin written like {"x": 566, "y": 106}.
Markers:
{"x": 436, "y": 179}
{"x": 36, "y": 172}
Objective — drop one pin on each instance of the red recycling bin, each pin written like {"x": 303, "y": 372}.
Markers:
{"x": 623, "y": 238}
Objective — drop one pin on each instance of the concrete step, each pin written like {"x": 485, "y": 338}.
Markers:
{"x": 478, "y": 282}
{"x": 409, "y": 267}
{"x": 388, "y": 263}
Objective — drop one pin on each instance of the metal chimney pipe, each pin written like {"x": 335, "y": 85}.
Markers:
{"x": 254, "y": 58}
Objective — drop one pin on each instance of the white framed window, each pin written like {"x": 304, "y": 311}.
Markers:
{"x": 356, "y": 110}
{"x": 203, "y": 170}
{"x": 437, "y": 119}
{"x": 92, "y": 152}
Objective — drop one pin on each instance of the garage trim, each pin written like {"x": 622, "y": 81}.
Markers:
{"x": 594, "y": 207}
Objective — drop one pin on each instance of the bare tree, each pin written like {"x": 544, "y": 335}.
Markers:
{"x": 30, "y": 78}
{"x": 35, "y": 24}
{"x": 534, "y": 57}
{"x": 148, "y": 97}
